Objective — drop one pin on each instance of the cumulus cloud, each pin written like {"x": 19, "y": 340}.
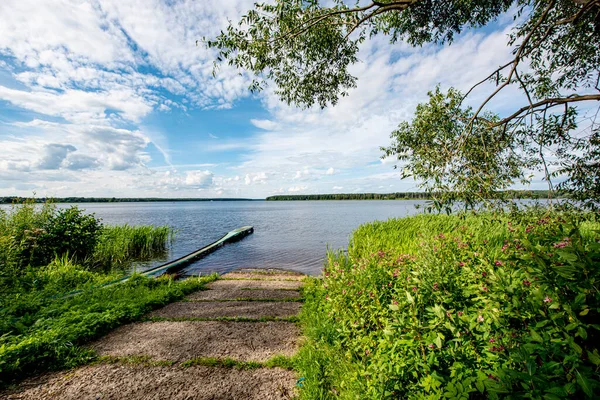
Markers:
{"x": 54, "y": 155}
{"x": 199, "y": 179}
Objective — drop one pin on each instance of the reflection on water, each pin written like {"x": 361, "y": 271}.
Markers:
{"x": 289, "y": 234}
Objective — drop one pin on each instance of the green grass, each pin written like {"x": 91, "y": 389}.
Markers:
{"x": 457, "y": 306}
{"x": 54, "y": 334}
{"x": 47, "y": 252}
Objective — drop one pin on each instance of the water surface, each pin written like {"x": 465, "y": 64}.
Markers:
{"x": 287, "y": 234}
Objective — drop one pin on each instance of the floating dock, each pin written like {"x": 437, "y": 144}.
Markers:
{"x": 180, "y": 263}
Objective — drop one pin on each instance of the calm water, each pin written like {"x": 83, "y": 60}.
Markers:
{"x": 288, "y": 234}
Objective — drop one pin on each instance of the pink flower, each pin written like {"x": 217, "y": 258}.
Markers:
{"x": 435, "y": 286}
{"x": 395, "y": 302}
{"x": 492, "y": 340}
{"x": 526, "y": 282}
{"x": 431, "y": 346}
{"x": 461, "y": 264}
{"x": 480, "y": 318}
{"x": 484, "y": 274}
{"x": 498, "y": 263}
{"x": 460, "y": 313}
{"x": 367, "y": 351}
{"x": 414, "y": 288}
{"x": 448, "y": 314}
{"x": 547, "y": 300}
{"x": 485, "y": 289}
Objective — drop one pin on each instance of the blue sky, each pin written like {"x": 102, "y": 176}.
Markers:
{"x": 113, "y": 98}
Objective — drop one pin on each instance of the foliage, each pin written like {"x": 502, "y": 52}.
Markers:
{"x": 460, "y": 306}
{"x": 478, "y": 169}
{"x": 307, "y": 47}
{"x": 37, "y": 334}
{"x": 46, "y": 253}
{"x": 32, "y": 235}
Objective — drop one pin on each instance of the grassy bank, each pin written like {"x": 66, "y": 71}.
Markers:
{"x": 457, "y": 307}
{"x": 46, "y": 252}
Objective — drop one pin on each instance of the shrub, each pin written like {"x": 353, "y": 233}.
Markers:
{"x": 487, "y": 305}
{"x": 69, "y": 231}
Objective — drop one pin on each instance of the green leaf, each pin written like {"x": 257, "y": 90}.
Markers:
{"x": 594, "y": 357}
{"x": 584, "y": 383}
{"x": 535, "y": 336}
{"x": 394, "y": 307}
{"x": 438, "y": 342}
{"x": 584, "y": 312}
{"x": 410, "y": 298}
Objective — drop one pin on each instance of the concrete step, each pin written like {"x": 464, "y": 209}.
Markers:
{"x": 243, "y": 309}
{"x": 184, "y": 340}
{"x": 115, "y": 381}
{"x": 235, "y": 293}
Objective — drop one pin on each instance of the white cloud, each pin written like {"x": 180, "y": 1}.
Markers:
{"x": 264, "y": 124}
{"x": 297, "y": 189}
{"x": 199, "y": 179}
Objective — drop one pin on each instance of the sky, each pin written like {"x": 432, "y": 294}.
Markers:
{"x": 113, "y": 98}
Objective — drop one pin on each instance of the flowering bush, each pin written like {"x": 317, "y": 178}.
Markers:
{"x": 488, "y": 305}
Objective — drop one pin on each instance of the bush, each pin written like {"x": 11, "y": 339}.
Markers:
{"x": 68, "y": 232}
{"x": 458, "y": 307}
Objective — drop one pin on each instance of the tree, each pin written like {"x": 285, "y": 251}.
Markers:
{"x": 305, "y": 48}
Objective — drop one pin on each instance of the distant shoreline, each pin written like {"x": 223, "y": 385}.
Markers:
{"x": 17, "y": 199}
{"x": 524, "y": 194}
{"x": 520, "y": 194}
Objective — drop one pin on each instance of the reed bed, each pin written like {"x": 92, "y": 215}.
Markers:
{"x": 118, "y": 246}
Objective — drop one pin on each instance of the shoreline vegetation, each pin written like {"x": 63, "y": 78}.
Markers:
{"x": 513, "y": 194}
{"x": 472, "y": 305}
{"x": 46, "y": 252}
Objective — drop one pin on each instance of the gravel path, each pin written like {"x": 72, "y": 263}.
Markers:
{"x": 174, "y": 335}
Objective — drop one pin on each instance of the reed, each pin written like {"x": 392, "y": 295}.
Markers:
{"x": 118, "y": 246}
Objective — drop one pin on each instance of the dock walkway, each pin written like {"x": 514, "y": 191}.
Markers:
{"x": 231, "y": 341}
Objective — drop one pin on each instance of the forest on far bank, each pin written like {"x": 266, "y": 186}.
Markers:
{"x": 524, "y": 194}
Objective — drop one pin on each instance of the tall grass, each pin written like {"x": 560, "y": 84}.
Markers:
{"x": 119, "y": 245}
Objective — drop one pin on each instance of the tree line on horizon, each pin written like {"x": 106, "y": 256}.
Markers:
{"x": 17, "y": 199}
{"x": 516, "y": 194}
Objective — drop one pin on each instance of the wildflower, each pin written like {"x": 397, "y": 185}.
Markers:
{"x": 526, "y": 282}
{"x": 480, "y": 318}
{"x": 414, "y": 288}
{"x": 485, "y": 289}
{"x": 359, "y": 293}
{"x": 448, "y": 314}
{"x": 492, "y": 340}
{"x": 390, "y": 284}
{"x": 431, "y": 346}
{"x": 484, "y": 274}
{"x": 461, "y": 264}
{"x": 367, "y": 351}
{"x": 528, "y": 229}
{"x": 344, "y": 291}
{"x": 435, "y": 286}
{"x": 381, "y": 253}
{"x": 460, "y": 313}
{"x": 395, "y": 302}
{"x": 547, "y": 300}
